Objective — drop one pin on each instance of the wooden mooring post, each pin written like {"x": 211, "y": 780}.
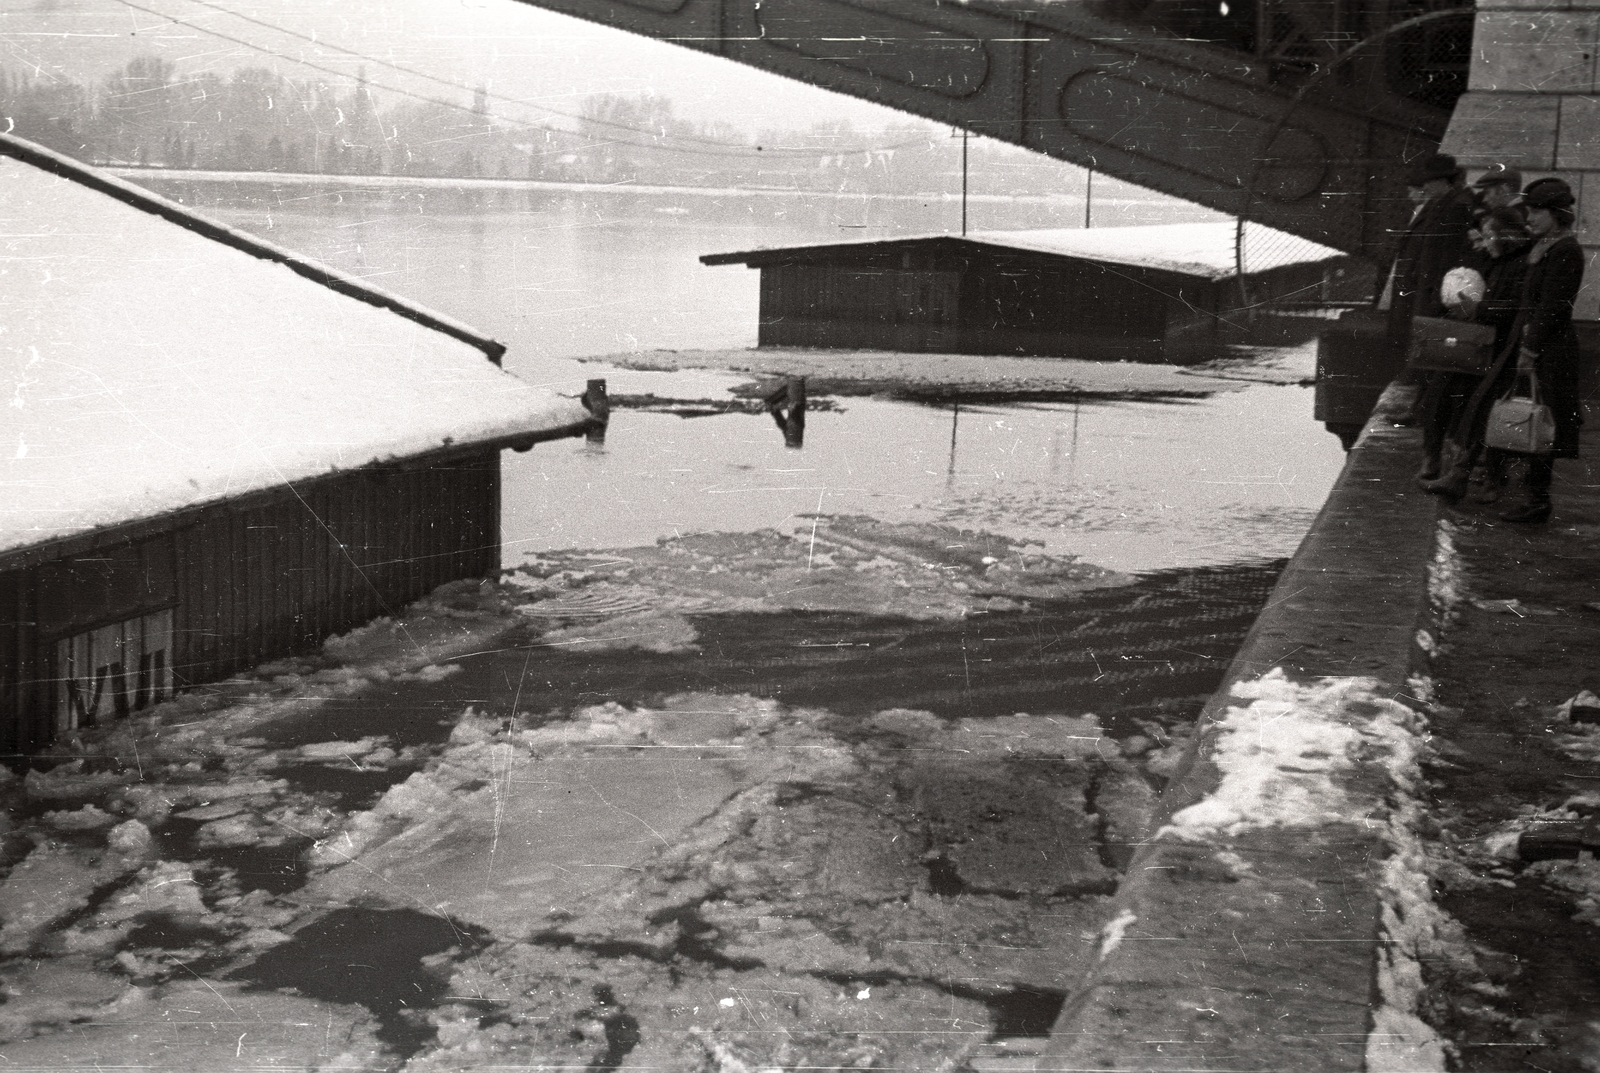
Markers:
{"x": 599, "y": 407}
{"x": 787, "y": 405}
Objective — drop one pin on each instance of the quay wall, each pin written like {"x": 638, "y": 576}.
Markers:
{"x": 1281, "y": 942}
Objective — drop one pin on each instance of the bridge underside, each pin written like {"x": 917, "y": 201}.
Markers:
{"x": 1245, "y": 108}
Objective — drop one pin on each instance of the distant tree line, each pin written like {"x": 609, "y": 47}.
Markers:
{"x": 147, "y": 114}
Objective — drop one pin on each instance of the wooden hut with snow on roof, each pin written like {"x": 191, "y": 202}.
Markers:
{"x": 1163, "y": 292}
{"x": 216, "y": 452}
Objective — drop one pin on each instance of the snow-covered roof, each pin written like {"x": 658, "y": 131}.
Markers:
{"x": 154, "y": 360}
{"x": 1206, "y": 250}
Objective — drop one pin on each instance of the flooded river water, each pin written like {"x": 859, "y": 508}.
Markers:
{"x": 1131, "y": 486}
{"x": 756, "y": 758}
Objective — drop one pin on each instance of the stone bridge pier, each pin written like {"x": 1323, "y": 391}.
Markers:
{"x": 1532, "y": 104}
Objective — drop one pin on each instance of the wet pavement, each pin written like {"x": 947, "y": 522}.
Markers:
{"x": 1514, "y": 780}
{"x": 1379, "y": 854}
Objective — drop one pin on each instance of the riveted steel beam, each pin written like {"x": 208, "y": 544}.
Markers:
{"x": 1320, "y": 152}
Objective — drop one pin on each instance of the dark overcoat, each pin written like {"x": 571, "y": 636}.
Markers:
{"x": 1504, "y": 279}
{"x": 1547, "y": 296}
{"x": 1435, "y": 243}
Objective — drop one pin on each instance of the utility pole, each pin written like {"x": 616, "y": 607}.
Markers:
{"x": 963, "y": 181}
{"x": 963, "y": 178}
{"x": 1088, "y": 195}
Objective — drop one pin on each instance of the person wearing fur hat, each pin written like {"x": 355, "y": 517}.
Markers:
{"x": 1436, "y": 241}
{"x": 1548, "y": 346}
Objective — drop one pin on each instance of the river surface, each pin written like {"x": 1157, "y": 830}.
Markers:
{"x": 854, "y": 800}
{"x": 563, "y": 276}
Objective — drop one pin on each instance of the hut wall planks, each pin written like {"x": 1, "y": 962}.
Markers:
{"x": 1113, "y": 293}
{"x": 221, "y": 588}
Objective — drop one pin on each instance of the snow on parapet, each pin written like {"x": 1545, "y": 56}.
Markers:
{"x": 1285, "y": 758}
{"x": 1282, "y": 755}
{"x": 150, "y": 366}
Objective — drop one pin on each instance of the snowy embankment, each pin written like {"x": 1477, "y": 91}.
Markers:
{"x": 1310, "y": 788}
{"x": 462, "y": 184}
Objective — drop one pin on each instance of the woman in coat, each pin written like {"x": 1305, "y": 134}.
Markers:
{"x": 1549, "y": 345}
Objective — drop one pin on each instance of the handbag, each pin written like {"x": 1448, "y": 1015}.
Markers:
{"x": 1521, "y": 423}
{"x": 1439, "y": 344}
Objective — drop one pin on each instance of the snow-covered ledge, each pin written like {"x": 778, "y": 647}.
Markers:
{"x": 1274, "y": 916}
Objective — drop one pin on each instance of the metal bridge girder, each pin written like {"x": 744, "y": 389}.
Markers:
{"x": 1195, "y": 121}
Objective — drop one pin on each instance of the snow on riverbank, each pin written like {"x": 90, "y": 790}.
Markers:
{"x": 1286, "y": 755}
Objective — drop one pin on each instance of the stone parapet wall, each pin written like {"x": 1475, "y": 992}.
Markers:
{"x": 1533, "y": 103}
{"x": 1251, "y": 934}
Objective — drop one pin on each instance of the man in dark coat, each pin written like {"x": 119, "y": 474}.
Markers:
{"x": 1436, "y": 242}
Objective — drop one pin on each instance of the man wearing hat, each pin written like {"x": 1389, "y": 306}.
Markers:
{"x": 1435, "y": 242}
{"x": 1497, "y": 188}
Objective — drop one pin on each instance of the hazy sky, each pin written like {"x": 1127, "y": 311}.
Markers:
{"x": 521, "y": 52}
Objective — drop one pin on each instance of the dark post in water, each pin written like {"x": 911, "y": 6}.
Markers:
{"x": 787, "y": 405}
{"x": 599, "y": 406}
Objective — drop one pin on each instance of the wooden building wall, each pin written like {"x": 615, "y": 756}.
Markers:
{"x": 945, "y": 295}
{"x": 1037, "y": 305}
{"x": 245, "y": 582}
{"x": 873, "y": 306}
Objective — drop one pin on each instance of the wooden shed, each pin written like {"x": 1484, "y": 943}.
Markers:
{"x": 1143, "y": 293}
{"x": 215, "y": 452}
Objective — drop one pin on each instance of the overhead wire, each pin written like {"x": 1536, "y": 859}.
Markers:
{"x": 659, "y": 140}
{"x": 415, "y": 73}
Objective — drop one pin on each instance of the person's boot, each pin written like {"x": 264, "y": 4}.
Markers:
{"x": 1451, "y": 484}
{"x": 1494, "y": 479}
{"x": 1536, "y": 507}
{"x": 1532, "y": 512}
{"x": 1433, "y": 459}
{"x": 1490, "y": 490}
{"x": 1412, "y": 405}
